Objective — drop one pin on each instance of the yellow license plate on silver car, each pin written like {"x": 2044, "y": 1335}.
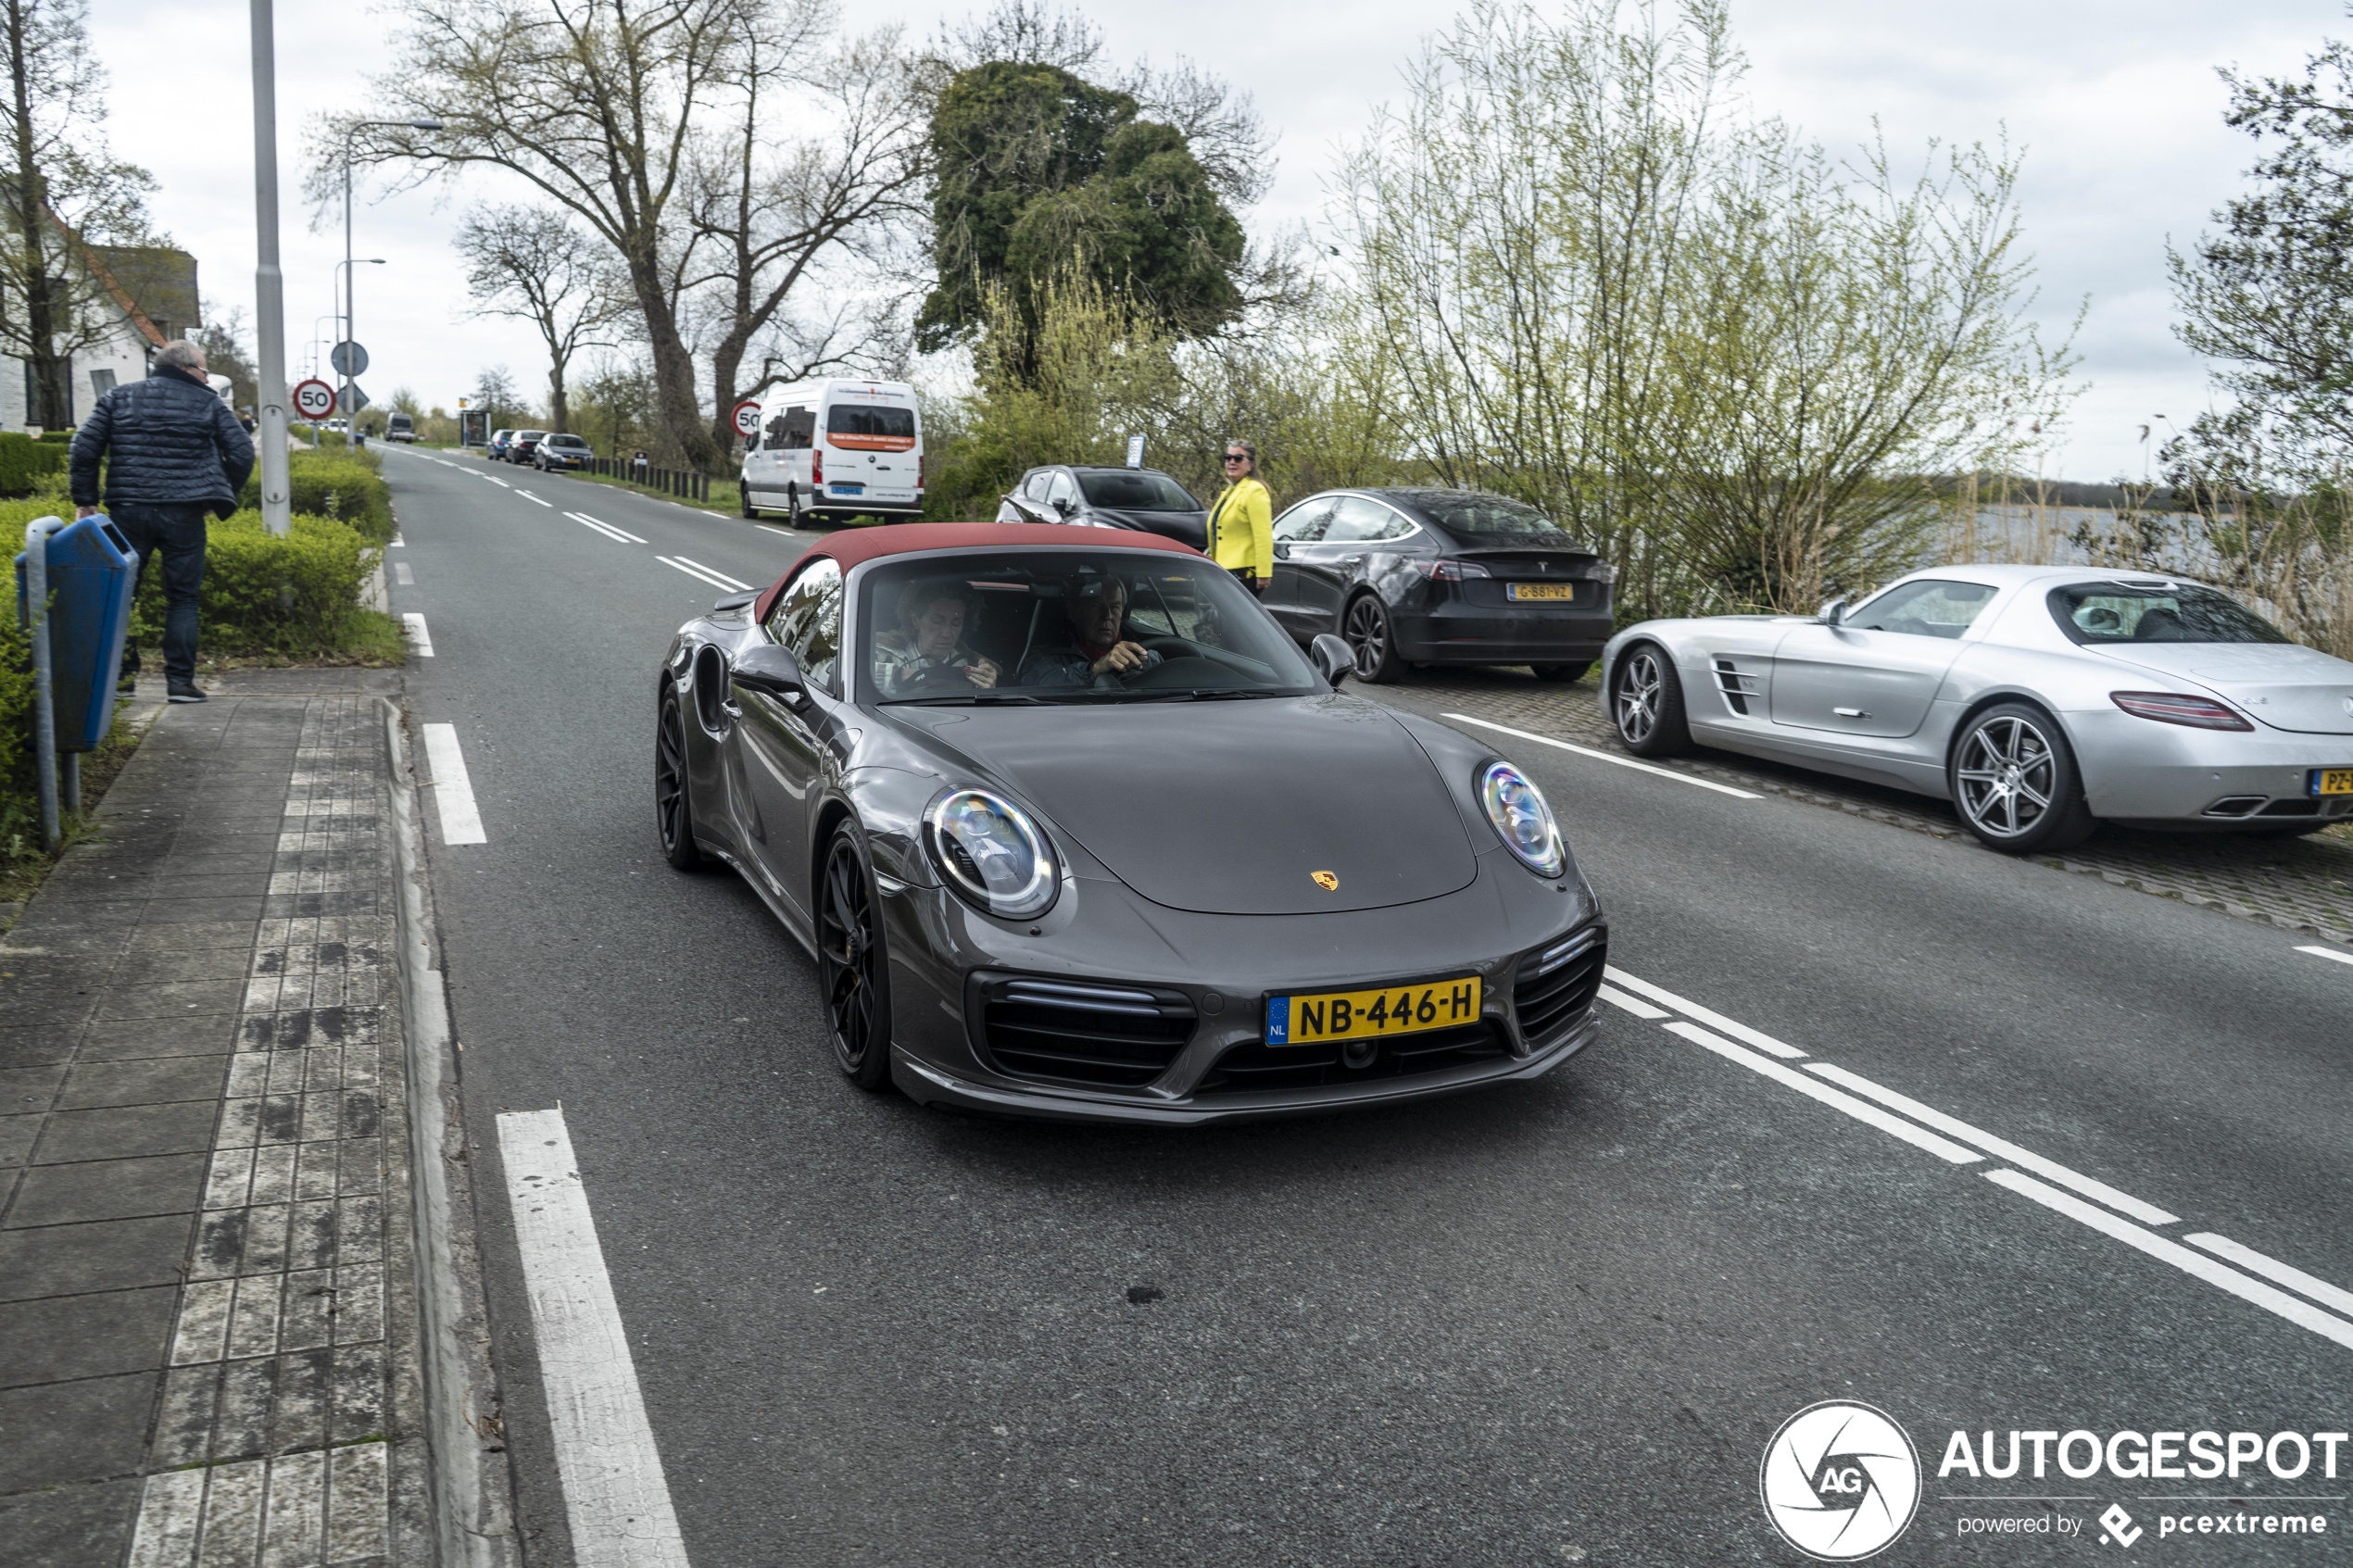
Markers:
{"x": 2333, "y": 781}
{"x": 1361, "y": 1015}
{"x": 1562, "y": 590}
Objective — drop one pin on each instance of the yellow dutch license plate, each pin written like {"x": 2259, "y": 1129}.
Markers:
{"x": 1359, "y": 1015}
{"x": 2333, "y": 781}
{"x": 1562, "y": 590}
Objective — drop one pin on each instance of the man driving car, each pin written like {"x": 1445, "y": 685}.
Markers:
{"x": 926, "y": 654}
{"x": 1097, "y": 608}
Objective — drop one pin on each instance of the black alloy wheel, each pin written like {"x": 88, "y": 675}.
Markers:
{"x": 1646, "y": 703}
{"x": 2013, "y": 779}
{"x": 849, "y": 963}
{"x": 1566, "y": 674}
{"x": 673, "y": 811}
{"x": 1366, "y": 630}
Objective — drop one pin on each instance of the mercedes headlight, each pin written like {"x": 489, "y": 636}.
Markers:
{"x": 991, "y": 854}
{"x": 1522, "y": 820}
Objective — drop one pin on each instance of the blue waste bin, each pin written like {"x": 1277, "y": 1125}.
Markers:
{"x": 93, "y": 572}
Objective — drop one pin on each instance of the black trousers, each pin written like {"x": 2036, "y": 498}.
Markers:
{"x": 176, "y": 532}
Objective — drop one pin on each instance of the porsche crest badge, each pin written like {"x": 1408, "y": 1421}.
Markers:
{"x": 1328, "y": 881}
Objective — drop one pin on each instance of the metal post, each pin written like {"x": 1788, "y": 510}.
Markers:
{"x": 350, "y": 287}
{"x": 45, "y": 707}
{"x": 270, "y": 299}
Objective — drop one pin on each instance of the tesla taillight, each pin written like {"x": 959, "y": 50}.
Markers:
{"x": 2174, "y": 707}
{"x": 1451, "y": 571}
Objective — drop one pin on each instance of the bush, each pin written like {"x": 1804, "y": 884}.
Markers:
{"x": 343, "y": 485}
{"x": 25, "y": 463}
{"x": 263, "y": 596}
{"x": 19, "y": 805}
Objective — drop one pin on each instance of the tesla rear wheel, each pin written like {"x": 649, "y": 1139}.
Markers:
{"x": 1565, "y": 673}
{"x": 2014, "y": 782}
{"x": 849, "y": 963}
{"x": 1646, "y": 703}
{"x": 1366, "y": 627}
{"x": 673, "y": 811}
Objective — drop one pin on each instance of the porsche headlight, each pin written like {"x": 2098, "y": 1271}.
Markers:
{"x": 1522, "y": 820}
{"x": 991, "y": 853}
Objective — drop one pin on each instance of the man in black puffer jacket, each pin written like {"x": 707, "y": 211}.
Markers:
{"x": 174, "y": 453}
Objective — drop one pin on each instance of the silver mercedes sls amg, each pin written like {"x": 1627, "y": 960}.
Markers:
{"x": 2039, "y": 700}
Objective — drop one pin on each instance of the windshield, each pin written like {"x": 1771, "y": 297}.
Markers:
{"x": 1137, "y": 491}
{"x": 2099, "y": 614}
{"x": 570, "y": 442}
{"x": 529, "y": 435}
{"x": 1470, "y": 512}
{"x": 1070, "y": 626}
{"x": 871, "y": 427}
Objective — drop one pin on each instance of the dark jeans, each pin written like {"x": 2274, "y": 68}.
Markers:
{"x": 177, "y": 532}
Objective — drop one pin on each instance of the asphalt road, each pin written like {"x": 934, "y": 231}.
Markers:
{"x": 1553, "y": 1322}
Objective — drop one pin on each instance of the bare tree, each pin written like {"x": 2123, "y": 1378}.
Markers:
{"x": 594, "y": 102}
{"x": 494, "y": 392}
{"x": 1024, "y": 32}
{"x": 770, "y": 216}
{"x": 535, "y": 264}
{"x": 65, "y": 193}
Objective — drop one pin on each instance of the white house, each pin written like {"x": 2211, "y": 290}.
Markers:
{"x": 156, "y": 282}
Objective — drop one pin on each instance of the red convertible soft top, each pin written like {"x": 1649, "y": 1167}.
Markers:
{"x": 854, "y": 546}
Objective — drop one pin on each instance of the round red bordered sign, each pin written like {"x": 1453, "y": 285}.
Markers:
{"x": 747, "y": 417}
{"x": 314, "y": 399}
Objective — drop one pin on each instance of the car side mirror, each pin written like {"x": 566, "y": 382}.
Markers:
{"x": 1061, "y": 505}
{"x": 771, "y": 671}
{"x": 1333, "y": 658}
{"x": 1282, "y": 549}
{"x": 1834, "y": 612}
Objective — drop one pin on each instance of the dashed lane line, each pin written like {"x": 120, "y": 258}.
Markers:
{"x": 620, "y": 535}
{"x": 529, "y": 496}
{"x": 616, "y": 1498}
{"x": 2290, "y": 1294}
{"x": 397, "y": 541}
{"x": 1605, "y": 757}
{"x": 704, "y": 574}
{"x": 2328, "y": 953}
{"x": 401, "y": 576}
{"x": 453, "y": 792}
{"x": 420, "y": 638}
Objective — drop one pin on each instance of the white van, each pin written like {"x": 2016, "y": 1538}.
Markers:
{"x": 837, "y": 448}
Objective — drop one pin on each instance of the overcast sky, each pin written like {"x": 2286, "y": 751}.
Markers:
{"x": 2116, "y": 106}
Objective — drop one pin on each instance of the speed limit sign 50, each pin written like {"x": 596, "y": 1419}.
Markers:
{"x": 314, "y": 399}
{"x": 748, "y": 417}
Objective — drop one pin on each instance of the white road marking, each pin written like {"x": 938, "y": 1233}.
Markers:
{"x": 2166, "y": 1250}
{"x": 615, "y": 1497}
{"x": 401, "y": 574}
{"x": 2255, "y": 1262}
{"x": 1640, "y": 1009}
{"x": 2001, "y": 1148}
{"x": 497, "y": 481}
{"x": 2337, "y": 954}
{"x": 1708, "y": 1016}
{"x": 702, "y": 573}
{"x": 453, "y": 792}
{"x": 529, "y": 496}
{"x": 1607, "y": 756}
{"x": 774, "y": 529}
{"x": 606, "y": 528}
{"x": 419, "y": 638}
{"x": 397, "y": 541}
{"x": 1944, "y": 1148}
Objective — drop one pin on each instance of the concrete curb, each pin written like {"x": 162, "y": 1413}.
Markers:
{"x": 472, "y": 1485}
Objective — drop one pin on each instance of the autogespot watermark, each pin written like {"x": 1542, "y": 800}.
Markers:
{"x": 1841, "y": 1481}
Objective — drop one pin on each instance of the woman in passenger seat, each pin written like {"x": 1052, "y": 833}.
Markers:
{"x": 927, "y": 655}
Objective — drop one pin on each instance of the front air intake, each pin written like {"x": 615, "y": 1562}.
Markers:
{"x": 1087, "y": 1035}
{"x": 1557, "y": 985}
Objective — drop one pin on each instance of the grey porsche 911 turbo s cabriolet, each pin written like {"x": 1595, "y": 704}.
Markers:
{"x": 2039, "y": 700}
{"x": 1073, "y": 829}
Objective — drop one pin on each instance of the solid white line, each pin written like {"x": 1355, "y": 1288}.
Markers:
{"x": 714, "y": 571}
{"x": 774, "y": 529}
{"x": 2328, "y": 953}
{"x": 697, "y": 576}
{"x": 2272, "y": 1269}
{"x": 1733, "y": 1027}
{"x": 1618, "y": 999}
{"x": 1859, "y": 1110}
{"x": 419, "y": 638}
{"x": 453, "y": 793}
{"x": 2165, "y": 1249}
{"x": 2001, "y": 1148}
{"x": 615, "y": 1497}
{"x": 620, "y": 534}
{"x": 1607, "y": 756}
{"x": 529, "y": 496}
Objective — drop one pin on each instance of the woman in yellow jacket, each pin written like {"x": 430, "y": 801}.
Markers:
{"x": 1241, "y": 525}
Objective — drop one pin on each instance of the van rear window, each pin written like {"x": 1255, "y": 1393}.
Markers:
{"x": 871, "y": 427}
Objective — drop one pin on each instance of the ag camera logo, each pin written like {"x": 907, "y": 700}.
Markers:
{"x": 1841, "y": 1481}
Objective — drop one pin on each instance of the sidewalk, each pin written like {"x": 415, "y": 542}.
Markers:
{"x": 208, "y": 1315}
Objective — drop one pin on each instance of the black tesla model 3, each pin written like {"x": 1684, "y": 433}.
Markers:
{"x": 1427, "y": 577}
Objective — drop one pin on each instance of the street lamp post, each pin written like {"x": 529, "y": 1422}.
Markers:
{"x": 350, "y": 330}
{"x": 344, "y": 269}
{"x": 269, "y": 283}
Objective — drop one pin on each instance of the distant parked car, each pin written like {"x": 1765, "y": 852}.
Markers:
{"x": 1424, "y": 577}
{"x": 400, "y": 427}
{"x": 561, "y": 451}
{"x": 1143, "y": 499}
{"x": 522, "y": 442}
{"x": 496, "y": 450}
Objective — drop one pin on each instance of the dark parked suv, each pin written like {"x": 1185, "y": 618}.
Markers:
{"x": 1143, "y": 499}
{"x": 522, "y": 442}
{"x": 1423, "y": 577}
{"x": 561, "y": 452}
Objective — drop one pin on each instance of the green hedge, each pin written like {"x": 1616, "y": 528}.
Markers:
{"x": 263, "y": 596}
{"x": 25, "y": 463}
{"x": 344, "y": 486}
